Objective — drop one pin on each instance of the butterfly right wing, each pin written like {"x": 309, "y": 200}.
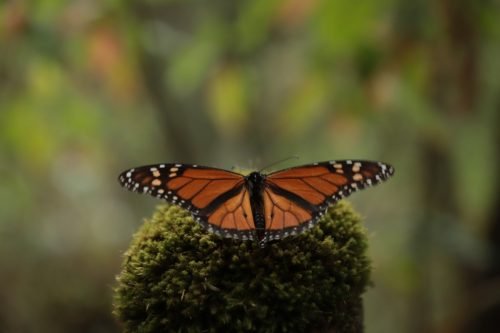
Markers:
{"x": 218, "y": 199}
{"x": 295, "y": 198}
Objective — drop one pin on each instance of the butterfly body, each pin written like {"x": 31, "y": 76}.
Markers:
{"x": 257, "y": 206}
{"x": 255, "y": 183}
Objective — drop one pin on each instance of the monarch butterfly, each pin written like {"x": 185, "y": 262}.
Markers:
{"x": 256, "y": 206}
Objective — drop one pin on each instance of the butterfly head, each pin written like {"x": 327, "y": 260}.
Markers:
{"x": 255, "y": 178}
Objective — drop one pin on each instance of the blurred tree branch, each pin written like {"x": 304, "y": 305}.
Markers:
{"x": 183, "y": 131}
{"x": 452, "y": 93}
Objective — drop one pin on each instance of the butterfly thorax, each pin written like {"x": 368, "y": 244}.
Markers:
{"x": 255, "y": 185}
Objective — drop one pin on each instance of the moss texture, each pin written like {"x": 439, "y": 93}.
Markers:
{"x": 178, "y": 278}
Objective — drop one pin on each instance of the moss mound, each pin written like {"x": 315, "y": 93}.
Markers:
{"x": 178, "y": 278}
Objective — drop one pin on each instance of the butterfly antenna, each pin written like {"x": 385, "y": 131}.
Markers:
{"x": 279, "y": 161}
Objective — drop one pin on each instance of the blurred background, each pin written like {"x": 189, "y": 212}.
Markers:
{"x": 90, "y": 88}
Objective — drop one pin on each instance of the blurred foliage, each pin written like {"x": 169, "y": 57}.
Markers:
{"x": 89, "y": 88}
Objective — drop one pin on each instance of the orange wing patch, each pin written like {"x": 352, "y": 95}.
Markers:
{"x": 300, "y": 188}
{"x": 178, "y": 182}
{"x": 321, "y": 185}
{"x": 203, "y": 190}
{"x": 212, "y": 190}
{"x": 192, "y": 188}
{"x": 335, "y": 178}
{"x": 282, "y": 213}
{"x": 235, "y": 213}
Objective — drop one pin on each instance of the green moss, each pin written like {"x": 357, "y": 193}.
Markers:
{"x": 178, "y": 278}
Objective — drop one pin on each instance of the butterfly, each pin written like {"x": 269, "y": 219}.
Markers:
{"x": 256, "y": 206}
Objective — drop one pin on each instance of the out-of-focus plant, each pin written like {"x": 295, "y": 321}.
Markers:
{"x": 178, "y": 278}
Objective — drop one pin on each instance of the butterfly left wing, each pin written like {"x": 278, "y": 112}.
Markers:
{"x": 296, "y": 198}
{"x": 217, "y": 198}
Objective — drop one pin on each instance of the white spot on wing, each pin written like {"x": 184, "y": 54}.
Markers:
{"x": 357, "y": 177}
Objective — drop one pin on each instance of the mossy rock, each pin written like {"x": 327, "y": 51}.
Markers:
{"x": 176, "y": 277}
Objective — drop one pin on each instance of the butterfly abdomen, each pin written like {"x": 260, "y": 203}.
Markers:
{"x": 255, "y": 186}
